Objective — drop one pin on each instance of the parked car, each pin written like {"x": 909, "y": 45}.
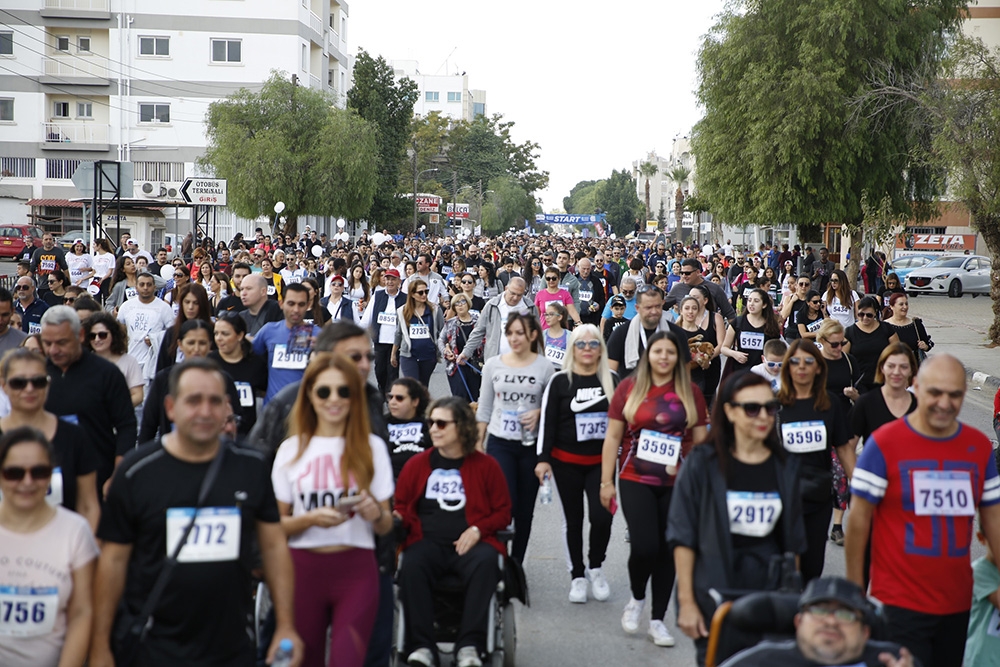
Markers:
{"x": 15, "y": 238}
{"x": 902, "y": 266}
{"x": 953, "y": 275}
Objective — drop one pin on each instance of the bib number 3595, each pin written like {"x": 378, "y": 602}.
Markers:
{"x": 658, "y": 447}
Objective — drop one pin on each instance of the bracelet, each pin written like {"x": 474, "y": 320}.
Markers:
{"x": 604, "y": 484}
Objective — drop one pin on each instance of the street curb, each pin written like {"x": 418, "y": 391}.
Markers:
{"x": 982, "y": 381}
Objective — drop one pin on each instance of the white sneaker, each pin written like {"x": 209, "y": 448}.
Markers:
{"x": 659, "y": 634}
{"x": 578, "y": 591}
{"x": 630, "y": 617}
{"x": 421, "y": 657}
{"x": 468, "y": 656}
{"x": 598, "y": 584}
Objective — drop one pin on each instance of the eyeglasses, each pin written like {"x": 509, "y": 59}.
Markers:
{"x": 69, "y": 299}
{"x": 323, "y": 392}
{"x": 835, "y": 344}
{"x": 686, "y": 273}
{"x": 178, "y": 275}
{"x": 816, "y": 302}
{"x": 865, "y": 316}
{"x": 628, "y": 292}
{"x": 840, "y": 615}
{"x": 773, "y": 364}
{"x": 584, "y": 344}
{"x": 440, "y": 424}
{"x": 98, "y": 335}
{"x": 17, "y": 473}
{"x": 468, "y": 282}
{"x": 358, "y": 356}
{"x": 797, "y": 361}
{"x": 20, "y": 384}
{"x": 22, "y": 287}
{"x": 397, "y": 397}
{"x": 551, "y": 279}
{"x": 552, "y": 315}
{"x": 806, "y": 284}
{"x": 834, "y": 281}
{"x": 753, "y": 409}
{"x": 52, "y": 282}
{"x": 420, "y": 292}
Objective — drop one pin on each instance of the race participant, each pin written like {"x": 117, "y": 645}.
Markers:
{"x": 982, "y": 644}
{"x": 592, "y": 297}
{"x": 812, "y": 424}
{"x": 843, "y": 370}
{"x": 892, "y": 286}
{"x": 452, "y": 501}
{"x": 234, "y": 355}
{"x": 654, "y": 419}
{"x": 331, "y": 520}
{"x": 490, "y": 331}
{"x": 462, "y": 380}
{"x": 80, "y": 264}
{"x": 337, "y": 305}
{"x": 57, "y": 283}
{"x": 508, "y": 414}
{"x": 106, "y": 338}
{"x": 616, "y": 305}
{"x": 123, "y": 285}
{"x": 104, "y": 267}
{"x": 627, "y": 343}
{"x": 467, "y": 283}
{"x": 793, "y": 302}
{"x": 194, "y": 305}
{"x": 380, "y": 319}
{"x": 10, "y": 336}
{"x": 408, "y": 431}
{"x": 700, "y": 326}
{"x": 171, "y": 291}
{"x": 259, "y": 311}
{"x": 915, "y": 491}
{"x": 144, "y": 317}
{"x": 232, "y": 301}
{"x": 866, "y": 339}
{"x": 746, "y": 335}
{"x": 556, "y": 335}
{"x": 29, "y": 307}
{"x": 487, "y": 285}
{"x": 691, "y": 277}
{"x": 574, "y": 420}
{"x": 48, "y": 258}
{"x": 910, "y": 330}
{"x": 770, "y": 367}
{"x": 627, "y": 293}
{"x": 841, "y": 300}
{"x": 201, "y": 616}
{"x": 272, "y": 281}
{"x": 73, "y": 482}
{"x": 432, "y": 281}
{"x": 47, "y": 556}
{"x": 555, "y": 292}
{"x": 415, "y": 350}
{"x": 742, "y": 476}
{"x": 87, "y": 390}
{"x": 806, "y": 320}
{"x": 833, "y": 627}
{"x": 286, "y": 344}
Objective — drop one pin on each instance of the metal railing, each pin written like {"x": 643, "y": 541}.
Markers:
{"x": 77, "y": 133}
{"x": 92, "y": 5}
{"x": 316, "y": 23}
{"x": 76, "y": 67}
{"x": 314, "y": 82}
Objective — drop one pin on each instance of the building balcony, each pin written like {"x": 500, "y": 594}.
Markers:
{"x": 333, "y": 46}
{"x": 315, "y": 83}
{"x": 89, "y": 71}
{"x": 76, "y": 9}
{"x": 75, "y": 136}
{"x": 316, "y": 23}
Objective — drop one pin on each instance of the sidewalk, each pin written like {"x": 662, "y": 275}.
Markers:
{"x": 959, "y": 327}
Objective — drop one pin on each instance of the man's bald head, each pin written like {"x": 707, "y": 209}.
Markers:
{"x": 253, "y": 291}
{"x": 940, "y": 389}
{"x": 256, "y": 281}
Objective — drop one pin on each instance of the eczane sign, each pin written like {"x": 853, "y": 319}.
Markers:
{"x": 205, "y": 191}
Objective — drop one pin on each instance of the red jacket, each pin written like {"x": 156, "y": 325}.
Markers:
{"x": 487, "y": 501}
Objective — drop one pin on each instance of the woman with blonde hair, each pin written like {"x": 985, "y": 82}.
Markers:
{"x": 333, "y": 480}
{"x": 419, "y": 324}
{"x": 570, "y": 439}
{"x": 655, "y": 418}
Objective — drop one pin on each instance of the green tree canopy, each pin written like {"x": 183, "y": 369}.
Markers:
{"x": 617, "y": 198}
{"x": 582, "y": 198}
{"x": 508, "y": 205}
{"x": 287, "y": 143}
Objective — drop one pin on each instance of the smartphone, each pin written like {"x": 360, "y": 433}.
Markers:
{"x": 614, "y": 506}
{"x": 348, "y": 502}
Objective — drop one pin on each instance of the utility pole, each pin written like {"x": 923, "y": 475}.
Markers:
{"x": 454, "y": 194}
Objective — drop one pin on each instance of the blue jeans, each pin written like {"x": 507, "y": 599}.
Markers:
{"x": 518, "y": 465}
{"x": 419, "y": 370}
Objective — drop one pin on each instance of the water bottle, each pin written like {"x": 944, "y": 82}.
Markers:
{"x": 283, "y": 656}
{"x": 545, "y": 493}
{"x": 528, "y": 435}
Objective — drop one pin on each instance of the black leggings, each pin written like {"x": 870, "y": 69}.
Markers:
{"x": 817, "y": 520}
{"x": 646, "y": 508}
{"x": 518, "y": 465}
{"x": 573, "y": 482}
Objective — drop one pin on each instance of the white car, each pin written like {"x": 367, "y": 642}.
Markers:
{"x": 952, "y": 275}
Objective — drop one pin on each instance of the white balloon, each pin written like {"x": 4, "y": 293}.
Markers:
{"x": 167, "y": 271}
{"x": 341, "y": 223}
{"x": 317, "y": 250}
{"x": 378, "y": 238}
{"x": 279, "y": 207}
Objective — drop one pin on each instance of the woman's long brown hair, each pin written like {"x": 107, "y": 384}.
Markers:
{"x": 410, "y": 307}
{"x": 302, "y": 422}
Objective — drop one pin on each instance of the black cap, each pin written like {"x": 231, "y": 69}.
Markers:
{"x": 618, "y": 300}
{"x": 835, "y": 589}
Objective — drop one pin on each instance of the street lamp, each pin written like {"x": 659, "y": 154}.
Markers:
{"x": 416, "y": 177}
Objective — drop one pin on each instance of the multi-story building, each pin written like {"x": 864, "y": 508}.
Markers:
{"x": 662, "y": 187}
{"x": 84, "y": 80}
{"x": 448, "y": 94}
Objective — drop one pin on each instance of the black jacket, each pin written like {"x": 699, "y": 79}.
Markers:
{"x": 699, "y": 520}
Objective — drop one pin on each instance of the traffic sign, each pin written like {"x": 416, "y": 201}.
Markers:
{"x": 205, "y": 191}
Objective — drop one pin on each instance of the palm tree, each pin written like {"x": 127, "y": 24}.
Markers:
{"x": 648, "y": 169}
{"x": 678, "y": 175}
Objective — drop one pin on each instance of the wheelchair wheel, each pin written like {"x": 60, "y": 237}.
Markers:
{"x": 509, "y": 636}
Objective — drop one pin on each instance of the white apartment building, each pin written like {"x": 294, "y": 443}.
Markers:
{"x": 661, "y": 187}
{"x": 447, "y": 94}
{"x": 84, "y": 80}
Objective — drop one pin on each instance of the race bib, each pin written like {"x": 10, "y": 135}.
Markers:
{"x": 591, "y": 425}
{"x": 26, "y": 611}
{"x": 386, "y": 318}
{"x": 586, "y": 295}
{"x": 993, "y": 629}
{"x": 753, "y": 514}
{"x": 246, "y": 394}
{"x": 657, "y": 447}
{"x": 751, "y": 340}
{"x": 419, "y": 332}
{"x": 47, "y": 264}
{"x": 555, "y": 355}
{"x": 943, "y": 493}
{"x": 446, "y": 487}
{"x": 295, "y": 361}
{"x": 814, "y": 326}
{"x": 130, "y": 293}
{"x": 54, "y": 496}
{"x": 34, "y": 328}
{"x": 885, "y": 300}
{"x": 747, "y": 291}
{"x": 215, "y": 535}
{"x": 804, "y": 437}
{"x": 510, "y": 425}
{"x": 838, "y": 309}
{"x": 271, "y": 290}
{"x": 406, "y": 432}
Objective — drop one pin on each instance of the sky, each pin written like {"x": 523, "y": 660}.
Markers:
{"x": 597, "y": 85}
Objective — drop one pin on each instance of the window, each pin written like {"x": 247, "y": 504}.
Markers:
{"x": 17, "y": 167}
{"x": 84, "y": 110}
{"x": 6, "y": 110}
{"x": 83, "y": 44}
{"x": 6, "y": 43}
{"x": 60, "y": 168}
{"x": 60, "y": 109}
{"x": 62, "y": 43}
{"x": 431, "y": 96}
{"x": 154, "y": 46}
{"x": 159, "y": 171}
{"x": 454, "y": 97}
{"x": 226, "y": 51}
{"x": 305, "y": 58}
{"x": 478, "y": 109}
{"x": 154, "y": 113}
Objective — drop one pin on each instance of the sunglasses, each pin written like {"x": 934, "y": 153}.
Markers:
{"x": 797, "y": 361}
{"x": 834, "y": 282}
{"x": 397, "y": 397}
{"x": 627, "y": 292}
{"x": 98, "y": 335}
{"x": 357, "y": 356}
{"x": 178, "y": 275}
{"x": 686, "y": 273}
{"x": 468, "y": 282}
{"x": 420, "y": 292}
{"x": 323, "y": 392}
{"x": 753, "y": 409}
{"x": 52, "y": 282}
{"x": 17, "y": 473}
{"x": 551, "y": 279}
{"x": 834, "y": 344}
{"x": 865, "y": 316}
{"x": 816, "y": 302}
{"x": 584, "y": 344}
{"x": 23, "y": 287}
{"x": 804, "y": 284}
{"x": 773, "y": 364}
{"x": 439, "y": 424}
{"x": 69, "y": 299}
{"x": 20, "y": 384}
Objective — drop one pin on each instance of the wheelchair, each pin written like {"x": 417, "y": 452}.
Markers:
{"x": 501, "y": 635}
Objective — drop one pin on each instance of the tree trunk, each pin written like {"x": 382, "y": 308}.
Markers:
{"x": 853, "y": 266}
{"x": 647, "y": 202}
{"x": 989, "y": 227}
{"x": 291, "y": 226}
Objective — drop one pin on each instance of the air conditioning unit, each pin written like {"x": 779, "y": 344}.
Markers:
{"x": 159, "y": 190}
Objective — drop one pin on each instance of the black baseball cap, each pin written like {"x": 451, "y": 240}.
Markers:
{"x": 618, "y": 300}
{"x": 835, "y": 589}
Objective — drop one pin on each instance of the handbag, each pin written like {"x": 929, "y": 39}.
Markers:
{"x": 134, "y": 628}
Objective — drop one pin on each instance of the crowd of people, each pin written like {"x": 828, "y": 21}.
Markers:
{"x": 174, "y": 430}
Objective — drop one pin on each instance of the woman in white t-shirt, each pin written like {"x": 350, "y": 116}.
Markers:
{"x": 841, "y": 300}
{"x": 81, "y": 264}
{"x": 47, "y": 558}
{"x": 333, "y": 481}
